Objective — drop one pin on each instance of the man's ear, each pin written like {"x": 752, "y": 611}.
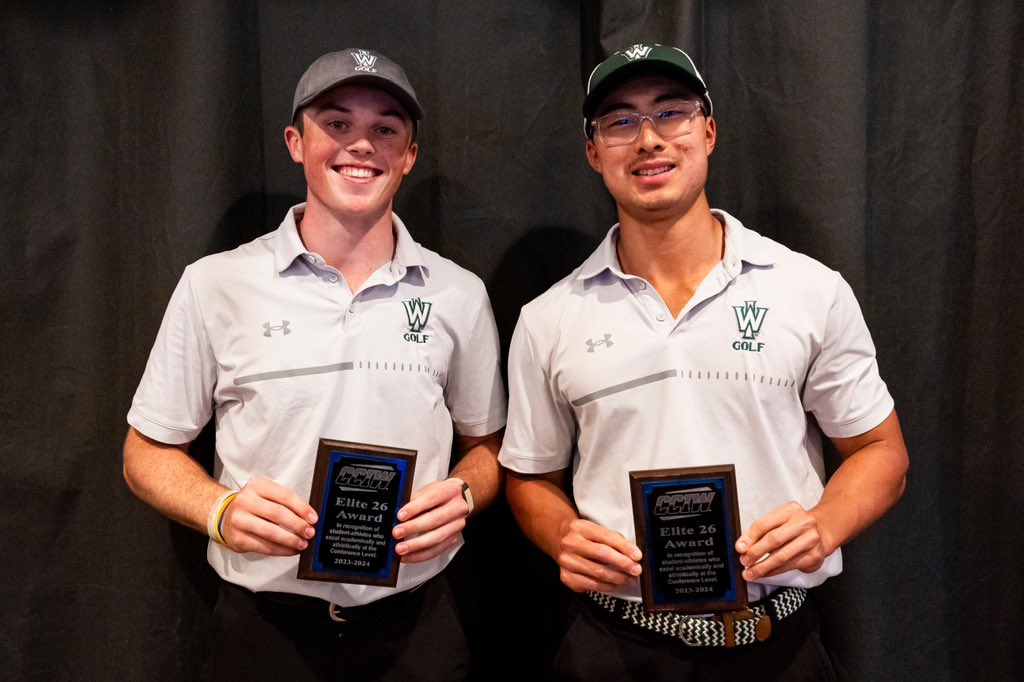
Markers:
{"x": 410, "y": 158}
{"x": 593, "y": 157}
{"x": 710, "y": 135}
{"x": 293, "y": 140}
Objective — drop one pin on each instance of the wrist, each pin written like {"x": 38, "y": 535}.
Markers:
{"x": 467, "y": 494}
{"x": 215, "y": 518}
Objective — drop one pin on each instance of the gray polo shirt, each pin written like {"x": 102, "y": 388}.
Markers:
{"x": 771, "y": 347}
{"x": 270, "y": 340}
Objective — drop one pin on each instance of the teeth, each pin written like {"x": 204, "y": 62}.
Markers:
{"x": 653, "y": 171}
{"x": 357, "y": 172}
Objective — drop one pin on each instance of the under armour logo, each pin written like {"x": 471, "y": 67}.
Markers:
{"x": 269, "y": 329}
{"x": 606, "y": 342}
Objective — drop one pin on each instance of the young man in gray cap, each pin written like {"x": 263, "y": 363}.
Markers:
{"x": 687, "y": 340}
{"x": 335, "y": 326}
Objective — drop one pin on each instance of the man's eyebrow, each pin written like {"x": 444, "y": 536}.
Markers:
{"x": 628, "y": 106}
{"x": 395, "y": 113}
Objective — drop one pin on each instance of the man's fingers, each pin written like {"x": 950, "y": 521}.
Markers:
{"x": 241, "y": 523}
{"x": 268, "y": 518}
{"x": 429, "y": 552}
{"x": 446, "y": 533}
{"x": 275, "y": 492}
{"x": 602, "y": 572}
{"x": 435, "y": 495}
{"x": 595, "y": 558}
{"x": 243, "y": 542}
{"x": 602, "y": 537}
{"x": 583, "y": 583}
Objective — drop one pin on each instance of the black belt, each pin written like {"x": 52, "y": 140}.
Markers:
{"x": 340, "y": 614}
{"x": 728, "y": 629}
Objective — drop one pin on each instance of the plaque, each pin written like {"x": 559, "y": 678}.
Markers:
{"x": 357, "y": 492}
{"x": 687, "y": 523}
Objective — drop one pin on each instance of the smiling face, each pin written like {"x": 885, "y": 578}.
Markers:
{"x": 355, "y": 148}
{"x": 653, "y": 178}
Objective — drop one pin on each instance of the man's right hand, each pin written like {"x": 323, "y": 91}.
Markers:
{"x": 592, "y": 557}
{"x": 267, "y": 518}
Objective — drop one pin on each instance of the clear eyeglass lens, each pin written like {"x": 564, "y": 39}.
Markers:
{"x": 669, "y": 121}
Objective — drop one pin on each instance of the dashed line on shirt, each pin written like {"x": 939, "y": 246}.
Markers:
{"x": 398, "y": 367}
{"x": 706, "y": 375}
{"x": 701, "y": 375}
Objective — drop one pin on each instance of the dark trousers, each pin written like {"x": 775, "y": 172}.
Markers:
{"x": 602, "y": 646}
{"x": 414, "y": 635}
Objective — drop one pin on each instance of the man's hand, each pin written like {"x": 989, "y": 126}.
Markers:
{"x": 787, "y": 538}
{"x": 431, "y": 522}
{"x": 267, "y": 518}
{"x": 592, "y": 557}
{"x": 868, "y": 482}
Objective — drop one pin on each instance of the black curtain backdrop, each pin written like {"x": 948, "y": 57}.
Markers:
{"x": 882, "y": 138}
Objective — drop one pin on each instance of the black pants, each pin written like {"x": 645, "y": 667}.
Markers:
{"x": 602, "y": 646}
{"x": 413, "y": 635}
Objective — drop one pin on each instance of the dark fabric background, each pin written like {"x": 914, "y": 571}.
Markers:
{"x": 882, "y": 138}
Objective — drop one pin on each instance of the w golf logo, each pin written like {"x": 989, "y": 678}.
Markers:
{"x": 637, "y": 52}
{"x": 417, "y": 313}
{"x": 365, "y": 61}
{"x": 749, "y": 319}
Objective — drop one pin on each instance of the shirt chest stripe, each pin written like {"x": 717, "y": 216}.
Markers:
{"x": 619, "y": 388}
{"x": 300, "y": 372}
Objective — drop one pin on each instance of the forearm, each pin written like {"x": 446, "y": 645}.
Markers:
{"x": 479, "y": 468}
{"x": 542, "y": 508}
{"x": 169, "y": 480}
{"x": 867, "y": 485}
{"x": 869, "y": 482}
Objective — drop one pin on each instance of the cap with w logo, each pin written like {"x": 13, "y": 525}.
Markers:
{"x": 356, "y": 66}
{"x": 642, "y": 60}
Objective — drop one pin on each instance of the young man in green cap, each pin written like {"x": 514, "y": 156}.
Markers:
{"x": 335, "y": 326}
{"x": 688, "y": 340}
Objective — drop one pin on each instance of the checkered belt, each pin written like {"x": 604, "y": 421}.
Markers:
{"x": 731, "y": 628}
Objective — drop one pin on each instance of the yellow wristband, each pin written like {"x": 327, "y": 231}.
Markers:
{"x": 216, "y": 515}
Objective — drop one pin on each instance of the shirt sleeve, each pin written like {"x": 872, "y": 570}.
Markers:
{"x": 475, "y": 393}
{"x": 174, "y": 400}
{"x": 541, "y": 425}
{"x": 843, "y": 389}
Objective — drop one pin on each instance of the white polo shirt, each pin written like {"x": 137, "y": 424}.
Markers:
{"x": 603, "y": 379}
{"x": 270, "y": 340}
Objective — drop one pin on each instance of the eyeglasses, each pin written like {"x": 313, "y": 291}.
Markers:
{"x": 669, "y": 120}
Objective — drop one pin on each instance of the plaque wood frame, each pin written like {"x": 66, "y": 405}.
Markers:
{"x": 331, "y": 459}
{"x": 686, "y": 525}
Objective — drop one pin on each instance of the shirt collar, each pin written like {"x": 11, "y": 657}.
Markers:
{"x": 408, "y": 254}
{"x": 741, "y": 246}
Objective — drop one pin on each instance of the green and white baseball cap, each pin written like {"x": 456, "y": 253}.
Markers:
{"x": 639, "y": 60}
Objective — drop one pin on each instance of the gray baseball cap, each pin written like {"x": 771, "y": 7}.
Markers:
{"x": 356, "y": 66}
{"x": 639, "y": 60}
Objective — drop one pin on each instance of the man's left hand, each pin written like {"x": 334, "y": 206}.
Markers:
{"x": 786, "y": 539}
{"x": 431, "y": 522}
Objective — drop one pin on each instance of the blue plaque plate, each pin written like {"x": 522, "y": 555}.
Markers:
{"x": 687, "y": 523}
{"x": 357, "y": 492}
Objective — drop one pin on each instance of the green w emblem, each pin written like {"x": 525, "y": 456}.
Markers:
{"x": 417, "y": 312}
{"x": 749, "y": 318}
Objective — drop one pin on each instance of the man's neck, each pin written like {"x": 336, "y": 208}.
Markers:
{"x": 356, "y": 246}
{"x": 673, "y": 253}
